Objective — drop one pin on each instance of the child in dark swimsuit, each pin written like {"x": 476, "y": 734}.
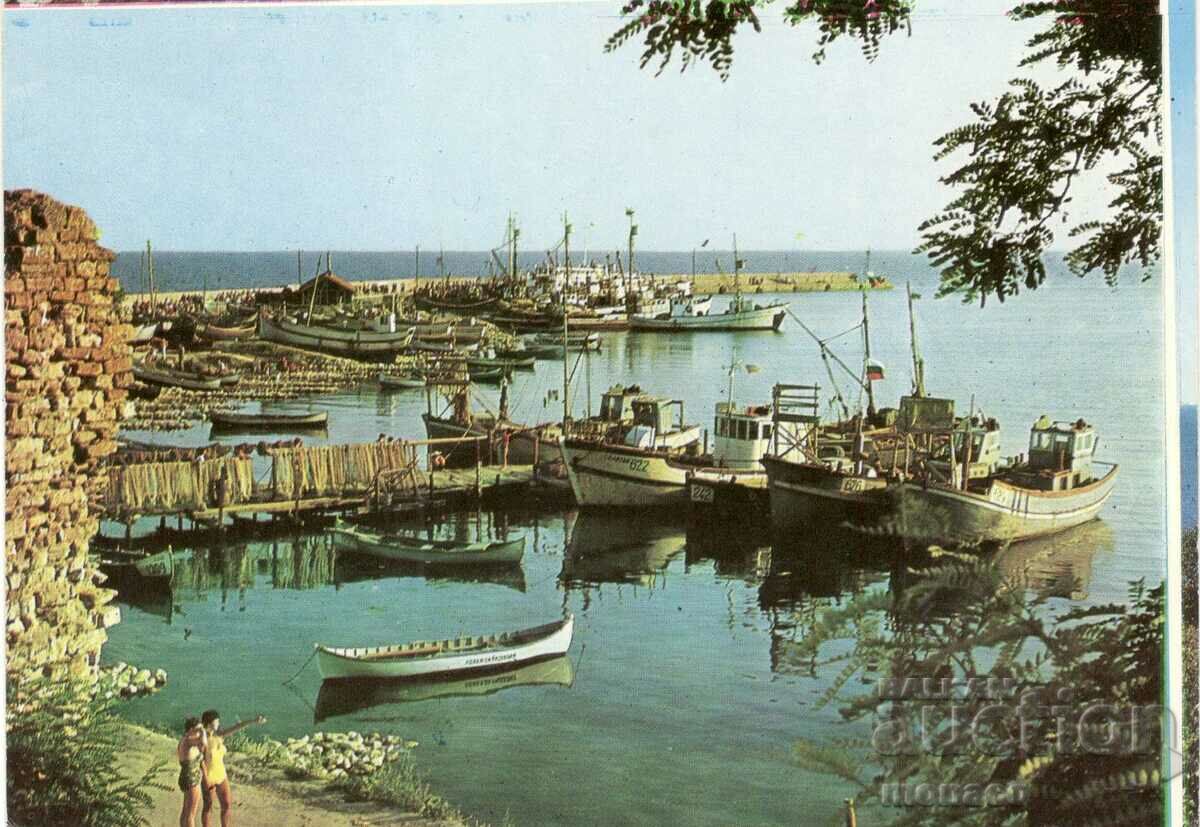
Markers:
{"x": 190, "y": 753}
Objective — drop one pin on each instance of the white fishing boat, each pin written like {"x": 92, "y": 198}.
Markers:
{"x": 456, "y": 655}
{"x": 967, "y": 497}
{"x": 689, "y": 314}
{"x": 393, "y": 382}
{"x": 741, "y": 314}
{"x": 343, "y": 340}
{"x": 633, "y": 466}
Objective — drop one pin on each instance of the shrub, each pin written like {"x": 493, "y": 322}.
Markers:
{"x": 63, "y": 747}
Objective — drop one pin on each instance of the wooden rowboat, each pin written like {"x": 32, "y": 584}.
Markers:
{"x": 216, "y": 333}
{"x": 172, "y": 378}
{"x": 458, "y": 655}
{"x": 485, "y": 374}
{"x": 419, "y": 550}
{"x": 401, "y": 382}
{"x": 271, "y": 423}
{"x": 503, "y": 363}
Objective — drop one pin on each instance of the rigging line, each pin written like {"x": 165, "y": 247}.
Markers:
{"x": 843, "y": 333}
{"x": 824, "y": 349}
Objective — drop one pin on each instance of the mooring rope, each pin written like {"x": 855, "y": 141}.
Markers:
{"x": 306, "y": 663}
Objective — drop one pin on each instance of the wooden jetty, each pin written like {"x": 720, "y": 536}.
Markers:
{"x": 386, "y": 476}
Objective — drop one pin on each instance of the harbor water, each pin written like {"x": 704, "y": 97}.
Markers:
{"x": 683, "y": 698}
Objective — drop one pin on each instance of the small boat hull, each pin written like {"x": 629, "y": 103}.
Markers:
{"x": 461, "y": 655}
{"x": 415, "y": 550}
{"x": 268, "y": 423}
{"x": 612, "y": 476}
{"x": 401, "y": 383}
{"x": 717, "y": 494}
{"x": 808, "y": 498}
{"x": 1004, "y": 513}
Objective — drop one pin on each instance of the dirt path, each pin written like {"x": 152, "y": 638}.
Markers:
{"x": 269, "y": 801}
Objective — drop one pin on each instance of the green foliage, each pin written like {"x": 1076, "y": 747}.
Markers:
{"x": 704, "y": 31}
{"x": 399, "y": 784}
{"x": 963, "y": 621}
{"x": 64, "y": 743}
{"x": 1022, "y": 155}
{"x": 1191, "y": 679}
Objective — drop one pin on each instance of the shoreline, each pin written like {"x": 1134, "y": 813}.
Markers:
{"x": 703, "y": 283}
{"x": 262, "y": 797}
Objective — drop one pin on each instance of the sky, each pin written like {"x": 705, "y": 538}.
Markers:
{"x": 1183, "y": 37}
{"x": 379, "y": 128}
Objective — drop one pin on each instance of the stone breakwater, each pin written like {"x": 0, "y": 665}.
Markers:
{"x": 68, "y": 369}
{"x": 336, "y": 755}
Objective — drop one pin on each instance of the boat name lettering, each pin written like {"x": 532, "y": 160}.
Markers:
{"x": 854, "y": 484}
{"x": 500, "y": 658}
{"x": 701, "y": 494}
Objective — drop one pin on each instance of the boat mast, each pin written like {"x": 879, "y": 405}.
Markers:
{"x": 918, "y": 362}
{"x": 566, "y": 350}
{"x": 150, "y": 277}
{"x": 632, "y": 233}
{"x": 514, "y": 233}
{"x": 867, "y": 383}
{"x": 417, "y": 270}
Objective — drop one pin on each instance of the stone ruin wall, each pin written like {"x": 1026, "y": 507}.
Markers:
{"x": 68, "y": 369}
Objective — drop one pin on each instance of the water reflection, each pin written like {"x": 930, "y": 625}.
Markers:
{"x": 1059, "y": 565}
{"x": 619, "y": 548}
{"x": 339, "y": 698}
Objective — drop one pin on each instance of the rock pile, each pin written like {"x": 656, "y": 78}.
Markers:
{"x": 68, "y": 369}
{"x": 127, "y": 681}
{"x": 336, "y": 755}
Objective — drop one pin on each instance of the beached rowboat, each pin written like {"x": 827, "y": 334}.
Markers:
{"x": 172, "y": 378}
{"x": 433, "y": 657}
{"x": 418, "y": 550}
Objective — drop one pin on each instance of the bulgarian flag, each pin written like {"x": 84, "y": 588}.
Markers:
{"x": 874, "y": 370}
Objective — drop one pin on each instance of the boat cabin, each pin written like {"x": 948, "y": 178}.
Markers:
{"x": 741, "y": 435}
{"x": 685, "y": 307}
{"x": 974, "y": 447}
{"x": 616, "y": 404}
{"x": 658, "y": 424}
{"x": 1060, "y": 454}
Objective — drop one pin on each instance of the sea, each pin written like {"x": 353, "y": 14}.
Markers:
{"x": 685, "y": 693}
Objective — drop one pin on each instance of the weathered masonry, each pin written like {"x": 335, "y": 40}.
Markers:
{"x": 67, "y": 373}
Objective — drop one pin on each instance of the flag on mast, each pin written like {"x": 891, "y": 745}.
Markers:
{"x": 874, "y": 370}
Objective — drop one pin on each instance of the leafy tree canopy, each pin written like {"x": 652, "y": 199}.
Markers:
{"x": 1022, "y": 155}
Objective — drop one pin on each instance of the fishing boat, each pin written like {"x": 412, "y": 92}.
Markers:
{"x": 174, "y": 378}
{"x": 341, "y": 340}
{"x": 420, "y": 550}
{"x": 338, "y": 698}
{"x": 690, "y": 314}
{"x": 275, "y": 423}
{"x": 966, "y": 496}
{"x": 633, "y": 466}
{"x": 464, "y": 308}
{"x": 741, "y": 314}
{"x": 391, "y": 382}
{"x": 142, "y": 334}
{"x": 434, "y": 657}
